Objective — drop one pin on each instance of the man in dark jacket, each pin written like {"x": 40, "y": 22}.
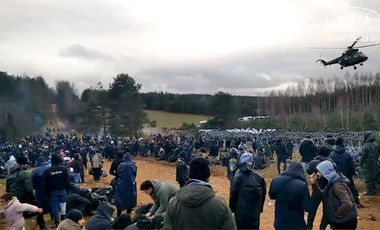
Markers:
{"x": 323, "y": 155}
{"x": 126, "y": 192}
{"x": 37, "y": 180}
{"x": 368, "y": 163}
{"x": 282, "y": 154}
{"x": 57, "y": 187}
{"x": 338, "y": 201}
{"x": 292, "y": 198}
{"x": 308, "y": 151}
{"x": 345, "y": 165}
{"x": 329, "y": 142}
{"x": 160, "y": 193}
{"x": 113, "y": 168}
{"x": 76, "y": 201}
{"x": 182, "y": 170}
{"x": 103, "y": 218}
{"x": 195, "y": 206}
{"x": 247, "y": 194}
{"x": 289, "y": 149}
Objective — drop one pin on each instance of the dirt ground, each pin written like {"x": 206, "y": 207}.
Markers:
{"x": 148, "y": 169}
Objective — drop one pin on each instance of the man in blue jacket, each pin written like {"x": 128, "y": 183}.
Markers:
{"x": 37, "y": 180}
{"x": 292, "y": 198}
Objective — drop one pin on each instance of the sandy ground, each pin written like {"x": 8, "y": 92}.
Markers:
{"x": 149, "y": 169}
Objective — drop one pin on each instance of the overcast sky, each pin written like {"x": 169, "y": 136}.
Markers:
{"x": 243, "y": 47}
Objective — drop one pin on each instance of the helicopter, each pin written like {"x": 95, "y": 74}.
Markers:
{"x": 351, "y": 57}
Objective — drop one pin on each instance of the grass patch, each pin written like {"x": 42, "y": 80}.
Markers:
{"x": 165, "y": 119}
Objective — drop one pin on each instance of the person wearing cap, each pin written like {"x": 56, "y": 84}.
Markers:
{"x": 37, "y": 180}
{"x": 74, "y": 221}
{"x": 292, "y": 197}
{"x": 338, "y": 201}
{"x": 195, "y": 206}
{"x": 247, "y": 194}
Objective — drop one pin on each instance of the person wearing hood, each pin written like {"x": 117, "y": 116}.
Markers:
{"x": 292, "y": 197}
{"x": 368, "y": 162}
{"x": 329, "y": 142}
{"x": 126, "y": 192}
{"x": 346, "y": 166}
{"x": 74, "y": 221}
{"x": 182, "y": 170}
{"x": 282, "y": 154}
{"x": 12, "y": 210}
{"x": 103, "y": 218}
{"x": 19, "y": 183}
{"x": 10, "y": 163}
{"x": 161, "y": 193}
{"x": 247, "y": 194}
{"x": 113, "y": 168}
{"x": 232, "y": 166}
{"x": 57, "y": 187}
{"x": 196, "y": 206}
{"x": 77, "y": 166}
{"x": 323, "y": 155}
{"x": 37, "y": 180}
{"x": 338, "y": 201}
{"x": 308, "y": 151}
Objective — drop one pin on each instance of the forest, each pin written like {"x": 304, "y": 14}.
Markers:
{"x": 348, "y": 103}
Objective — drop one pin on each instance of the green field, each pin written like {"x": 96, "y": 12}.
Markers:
{"x": 165, "y": 119}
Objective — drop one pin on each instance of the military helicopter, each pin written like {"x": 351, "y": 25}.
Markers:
{"x": 351, "y": 57}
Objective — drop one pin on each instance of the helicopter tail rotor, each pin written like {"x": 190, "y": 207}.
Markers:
{"x": 323, "y": 62}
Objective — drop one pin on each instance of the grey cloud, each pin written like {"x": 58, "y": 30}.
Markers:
{"x": 81, "y": 52}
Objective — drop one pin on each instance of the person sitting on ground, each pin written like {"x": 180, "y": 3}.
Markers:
{"x": 161, "y": 193}
{"x": 123, "y": 221}
{"x": 196, "y": 206}
{"x": 12, "y": 210}
{"x": 74, "y": 221}
{"x": 103, "y": 219}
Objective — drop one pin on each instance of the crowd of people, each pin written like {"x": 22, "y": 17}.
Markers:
{"x": 60, "y": 162}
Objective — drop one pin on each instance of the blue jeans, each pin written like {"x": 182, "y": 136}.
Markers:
{"x": 76, "y": 177}
{"x": 58, "y": 200}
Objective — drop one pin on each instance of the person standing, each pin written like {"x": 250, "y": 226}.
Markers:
{"x": 282, "y": 154}
{"x": 126, "y": 192}
{"x": 338, "y": 201}
{"x": 232, "y": 166}
{"x": 368, "y": 162}
{"x": 292, "y": 197}
{"x": 308, "y": 151}
{"x": 97, "y": 164}
{"x": 57, "y": 187}
{"x": 77, "y": 166}
{"x": 195, "y": 206}
{"x": 37, "y": 180}
{"x": 182, "y": 170}
{"x": 247, "y": 194}
{"x": 345, "y": 165}
{"x": 268, "y": 152}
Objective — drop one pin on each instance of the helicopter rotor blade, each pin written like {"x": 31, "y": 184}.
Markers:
{"x": 353, "y": 44}
{"x": 368, "y": 45}
{"x": 325, "y": 48}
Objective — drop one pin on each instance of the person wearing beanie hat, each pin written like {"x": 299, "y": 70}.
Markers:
{"x": 37, "y": 180}
{"x": 345, "y": 165}
{"x": 195, "y": 206}
{"x": 338, "y": 201}
{"x": 73, "y": 221}
{"x": 292, "y": 197}
{"x": 232, "y": 166}
{"x": 57, "y": 187}
{"x": 247, "y": 194}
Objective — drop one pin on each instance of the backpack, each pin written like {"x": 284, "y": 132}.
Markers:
{"x": 232, "y": 165}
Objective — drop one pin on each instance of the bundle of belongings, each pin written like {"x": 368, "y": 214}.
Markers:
{"x": 106, "y": 191}
{"x": 87, "y": 201}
